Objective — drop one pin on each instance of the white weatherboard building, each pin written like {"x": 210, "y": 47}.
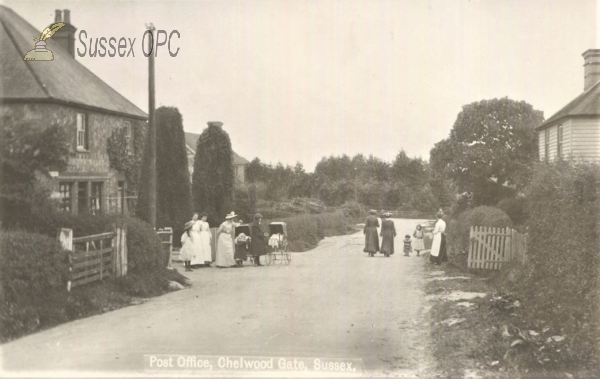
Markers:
{"x": 574, "y": 131}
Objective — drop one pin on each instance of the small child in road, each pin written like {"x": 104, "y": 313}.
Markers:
{"x": 407, "y": 245}
{"x": 186, "y": 254}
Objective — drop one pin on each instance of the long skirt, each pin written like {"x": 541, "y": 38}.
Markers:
{"x": 371, "y": 240}
{"x": 225, "y": 251}
{"x": 441, "y": 255}
{"x": 387, "y": 243}
{"x": 201, "y": 248}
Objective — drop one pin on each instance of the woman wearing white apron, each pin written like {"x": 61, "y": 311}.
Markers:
{"x": 438, "y": 246}
{"x": 196, "y": 243}
{"x": 205, "y": 240}
{"x": 225, "y": 245}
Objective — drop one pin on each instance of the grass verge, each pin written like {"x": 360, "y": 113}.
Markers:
{"x": 494, "y": 336}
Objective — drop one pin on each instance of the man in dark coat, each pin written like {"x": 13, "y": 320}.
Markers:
{"x": 258, "y": 239}
{"x": 371, "y": 236}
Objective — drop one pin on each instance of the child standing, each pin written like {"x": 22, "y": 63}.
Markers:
{"x": 407, "y": 245}
{"x": 418, "y": 244}
{"x": 186, "y": 253}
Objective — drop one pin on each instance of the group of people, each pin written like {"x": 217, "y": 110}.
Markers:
{"x": 437, "y": 254}
{"x": 231, "y": 250}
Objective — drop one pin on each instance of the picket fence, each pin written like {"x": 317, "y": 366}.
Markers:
{"x": 95, "y": 257}
{"x": 490, "y": 247}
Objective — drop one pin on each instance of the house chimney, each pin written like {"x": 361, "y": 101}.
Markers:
{"x": 65, "y": 36}
{"x": 591, "y": 68}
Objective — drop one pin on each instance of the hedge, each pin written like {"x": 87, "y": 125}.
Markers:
{"x": 560, "y": 283}
{"x": 33, "y": 270}
{"x": 459, "y": 228}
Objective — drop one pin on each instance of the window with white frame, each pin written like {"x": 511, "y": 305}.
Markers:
{"x": 128, "y": 139}
{"x": 65, "y": 196}
{"x": 82, "y": 132}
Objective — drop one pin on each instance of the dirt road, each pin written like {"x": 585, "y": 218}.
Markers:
{"x": 333, "y": 301}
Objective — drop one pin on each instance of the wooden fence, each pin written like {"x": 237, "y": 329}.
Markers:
{"x": 490, "y": 247}
{"x": 95, "y": 257}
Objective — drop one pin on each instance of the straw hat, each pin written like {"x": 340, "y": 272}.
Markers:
{"x": 372, "y": 211}
{"x": 230, "y": 216}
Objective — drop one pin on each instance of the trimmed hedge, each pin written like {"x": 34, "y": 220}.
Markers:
{"x": 33, "y": 270}
{"x": 459, "y": 228}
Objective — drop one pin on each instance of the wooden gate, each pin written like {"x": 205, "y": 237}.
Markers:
{"x": 489, "y": 247}
{"x": 95, "y": 257}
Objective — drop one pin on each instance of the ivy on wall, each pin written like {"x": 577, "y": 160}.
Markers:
{"x": 121, "y": 159}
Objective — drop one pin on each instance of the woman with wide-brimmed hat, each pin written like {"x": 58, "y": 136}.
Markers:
{"x": 370, "y": 232}
{"x": 388, "y": 232}
{"x": 258, "y": 240}
{"x": 225, "y": 242}
{"x": 186, "y": 254}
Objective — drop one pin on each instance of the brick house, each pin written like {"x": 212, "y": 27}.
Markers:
{"x": 65, "y": 92}
{"x": 239, "y": 163}
{"x": 574, "y": 131}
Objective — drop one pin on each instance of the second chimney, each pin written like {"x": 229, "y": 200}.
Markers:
{"x": 591, "y": 68}
{"x": 65, "y": 36}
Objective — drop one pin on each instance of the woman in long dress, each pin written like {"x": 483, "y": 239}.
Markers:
{"x": 196, "y": 241}
{"x": 370, "y": 232}
{"x": 186, "y": 254}
{"x": 205, "y": 240}
{"x": 438, "y": 246}
{"x": 225, "y": 242}
{"x": 258, "y": 240}
{"x": 388, "y": 232}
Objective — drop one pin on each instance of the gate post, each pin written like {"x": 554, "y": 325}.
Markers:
{"x": 65, "y": 237}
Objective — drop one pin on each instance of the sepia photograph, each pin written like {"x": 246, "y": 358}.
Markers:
{"x": 300, "y": 189}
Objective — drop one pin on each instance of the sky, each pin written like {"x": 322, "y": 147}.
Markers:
{"x": 294, "y": 81}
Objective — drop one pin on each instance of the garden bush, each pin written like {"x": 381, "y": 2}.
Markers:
{"x": 515, "y": 208}
{"x": 144, "y": 248}
{"x": 560, "y": 280}
{"x": 33, "y": 269}
{"x": 458, "y": 229}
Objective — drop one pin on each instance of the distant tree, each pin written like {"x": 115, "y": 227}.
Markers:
{"x": 256, "y": 171}
{"x": 173, "y": 187}
{"x": 492, "y": 143}
{"x": 410, "y": 172}
{"x": 28, "y": 153}
{"x": 212, "y": 180}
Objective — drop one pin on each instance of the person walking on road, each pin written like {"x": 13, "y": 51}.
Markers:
{"x": 186, "y": 254}
{"x": 418, "y": 244}
{"x": 388, "y": 232}
{"x": 370, "y": 232}
{"x": 225, "y": 242}
{"x": 438, "y": 246}
{"x": 258, "y": 239}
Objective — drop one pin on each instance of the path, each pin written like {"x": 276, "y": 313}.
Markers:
{"x": 333, "y": 301}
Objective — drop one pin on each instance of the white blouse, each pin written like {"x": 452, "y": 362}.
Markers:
{"x": 440, "y": 227}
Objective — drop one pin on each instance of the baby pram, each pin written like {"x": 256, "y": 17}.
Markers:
{"x": 278, "y": 244}
{"x": 242, "y": 245}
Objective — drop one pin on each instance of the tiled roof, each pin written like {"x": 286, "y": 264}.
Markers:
{"x": 586, "y": 104}
{"x": 63, "y": 80}
{"x": 191, "y": 139}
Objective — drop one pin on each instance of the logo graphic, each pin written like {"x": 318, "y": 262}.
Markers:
{"x": 40, "y": 52}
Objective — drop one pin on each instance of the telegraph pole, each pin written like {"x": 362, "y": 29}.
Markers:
{"x": 152, "y": 131}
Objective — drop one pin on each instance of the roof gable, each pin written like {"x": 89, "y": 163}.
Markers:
{"x": 63, "y": 80}
{"x": 586, "y": 104}
{"x": 191, "y": 140}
